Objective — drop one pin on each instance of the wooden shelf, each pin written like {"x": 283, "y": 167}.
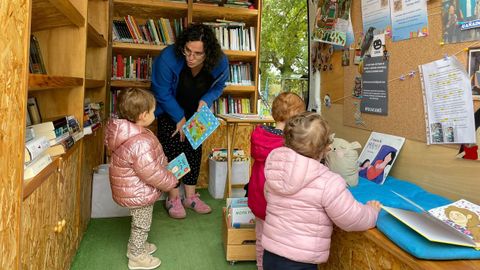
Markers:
{"x": 202, "y": 12}
{"x": 38, "y": 82}
{"x": 149, "y": 8}
{"x": 94, "y": 38}
{"x": 240, "y": 89}
{"x": 47, "y": 14}
{"x": 93, "y": 83}
{"x": 127, "y": 83}
{"x": 247, "y": 56}
{"x": 137, "y": 49}
{"x": 31, "y": 184}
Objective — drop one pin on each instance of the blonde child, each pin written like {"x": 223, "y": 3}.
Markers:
{"x": 263, "y": 140}
{"x": 138, "y": 171}
{"x": 304, "y": 199}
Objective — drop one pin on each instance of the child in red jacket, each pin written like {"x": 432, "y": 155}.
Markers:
{"x": 263, "y": 140}
{"x": 138, "y": 172}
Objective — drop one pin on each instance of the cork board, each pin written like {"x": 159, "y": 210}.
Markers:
{"x": 405, "y": 101}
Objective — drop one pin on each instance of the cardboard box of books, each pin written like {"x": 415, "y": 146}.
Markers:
{"x": 239, "y": 214}
{"x": 217, "y": 165}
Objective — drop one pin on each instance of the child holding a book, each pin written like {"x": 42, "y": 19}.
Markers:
{"x": 304, "y": 199}
{"x": 263, "y": 140}
{"x": 138, "y": 172}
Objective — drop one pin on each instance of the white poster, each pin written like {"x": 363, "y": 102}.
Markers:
{"x": 448, "y": 102}
{"x": 376, "y": 13}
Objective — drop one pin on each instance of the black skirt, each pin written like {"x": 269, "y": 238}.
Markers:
{"x": 172, "y": 146}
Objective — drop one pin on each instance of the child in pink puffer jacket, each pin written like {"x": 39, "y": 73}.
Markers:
{"x": 304, "y": 199}
{"x": 138, "y": 172}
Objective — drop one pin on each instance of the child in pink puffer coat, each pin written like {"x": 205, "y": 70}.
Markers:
{"x": 138, "y": 172}
{"x": 304, "y": 199}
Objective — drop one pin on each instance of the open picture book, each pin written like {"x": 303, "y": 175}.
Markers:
{"x": 377, "y": 157}
{"x": 457, "y": 223}
{"x": 200, "y": 126}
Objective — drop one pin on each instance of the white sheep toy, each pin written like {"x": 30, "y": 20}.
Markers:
{"x": 342, "y": 159}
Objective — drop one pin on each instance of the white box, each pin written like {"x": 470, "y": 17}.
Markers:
{"x": 217, "y": 172}
{"x": 102, "y": 203}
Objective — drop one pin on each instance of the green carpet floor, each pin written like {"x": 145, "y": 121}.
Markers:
{"x": 193, "y": 243}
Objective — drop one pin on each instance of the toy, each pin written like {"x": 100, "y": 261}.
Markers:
{"x": 342, "y": 159}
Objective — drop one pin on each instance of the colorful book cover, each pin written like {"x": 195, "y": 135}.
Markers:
{"x": 179, "y": 166}
{"x": 200, "y": 126}
{"x": 456, "y": 223}
{"x": 378, "y": 156}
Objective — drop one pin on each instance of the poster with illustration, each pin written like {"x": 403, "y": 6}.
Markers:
{"x": 332, "y": 22}
{"x": 474, "y": 71}
{"x": 461, "y": 20}
{"x": 409, "y": 19}
{"x": 376, "y": 14}
{"x": 378, "y": 156}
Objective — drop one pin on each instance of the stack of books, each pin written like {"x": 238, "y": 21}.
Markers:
{"x": 48, "y": 139}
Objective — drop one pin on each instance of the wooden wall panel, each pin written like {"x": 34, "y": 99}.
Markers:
{"x": 39, "y": 217}
{"x": 405, "y": 102}
{"x": 219, "y": 140}
{"x": 15, "y": 21}
{"x": 434, "y": 167}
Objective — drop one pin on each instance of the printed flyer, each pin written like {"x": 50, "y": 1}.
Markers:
{"x": 409, "y": 19}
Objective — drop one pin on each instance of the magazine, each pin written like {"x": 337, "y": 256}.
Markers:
{"x": 456, "y": 223}
{"x": 179, "y": 166}
{"x": 378, "y": 156}
{"x": 200, "y": 126}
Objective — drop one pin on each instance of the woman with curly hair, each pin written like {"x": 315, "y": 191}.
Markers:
{"x": 185, "y": 76}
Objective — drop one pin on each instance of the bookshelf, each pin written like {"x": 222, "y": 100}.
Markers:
{"x": 46, "y": 215}
{"x": 142, "y": 10}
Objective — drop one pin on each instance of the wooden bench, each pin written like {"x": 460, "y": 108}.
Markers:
{"x": 373, "y": 250}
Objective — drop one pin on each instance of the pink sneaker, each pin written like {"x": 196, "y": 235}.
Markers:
{"x": 175, "y": 208}
{"x": 196, "y": 204}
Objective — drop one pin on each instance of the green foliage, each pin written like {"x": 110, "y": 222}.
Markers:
{"x": 284, "y": 40}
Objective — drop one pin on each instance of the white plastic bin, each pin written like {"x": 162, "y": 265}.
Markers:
{"x": 102, "y": 203}
{"x": 217, "y": 171}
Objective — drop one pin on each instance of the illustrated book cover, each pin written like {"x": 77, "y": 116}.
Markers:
{"x": 200, "y": 126}
{"x": 179, "y": 166}
{"x": 456, "y": 223}
{"x": 378, "y": 156}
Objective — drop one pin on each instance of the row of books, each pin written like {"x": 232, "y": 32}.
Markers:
{"x": 229, "y": 104}
{"x": 240, "y": 74}
{"x": 92, "y": 116}
{"x": 227, "y": 3}
{"x": 48, "y": 139}
{"x": 36, "y": 63}
{"x": 131, "y": 67}
{"x": 234, "y": 35}
{"x": 154, "y": 31}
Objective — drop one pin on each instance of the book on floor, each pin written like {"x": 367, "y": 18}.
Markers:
{"x": 179, "y": 166}
{"x": 200, "y": 126}
{"x": 378, "y": 156}
{"x": 456, "y": 223}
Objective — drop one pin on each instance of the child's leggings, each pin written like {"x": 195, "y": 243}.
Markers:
{"x": 141, "y": 221}
{"x": 258, "y": 242}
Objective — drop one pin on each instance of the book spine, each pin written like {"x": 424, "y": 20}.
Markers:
{"x": 33, "y": 110}
{"x": 36, "y": 166}
{"x": 35, "y": 148}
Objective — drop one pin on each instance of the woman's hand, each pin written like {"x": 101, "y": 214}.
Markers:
{"x": 200, "y": 104}
{"x": 179, "y": 129}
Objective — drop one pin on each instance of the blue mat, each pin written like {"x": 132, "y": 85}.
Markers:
{"x": 399, "y": 233}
